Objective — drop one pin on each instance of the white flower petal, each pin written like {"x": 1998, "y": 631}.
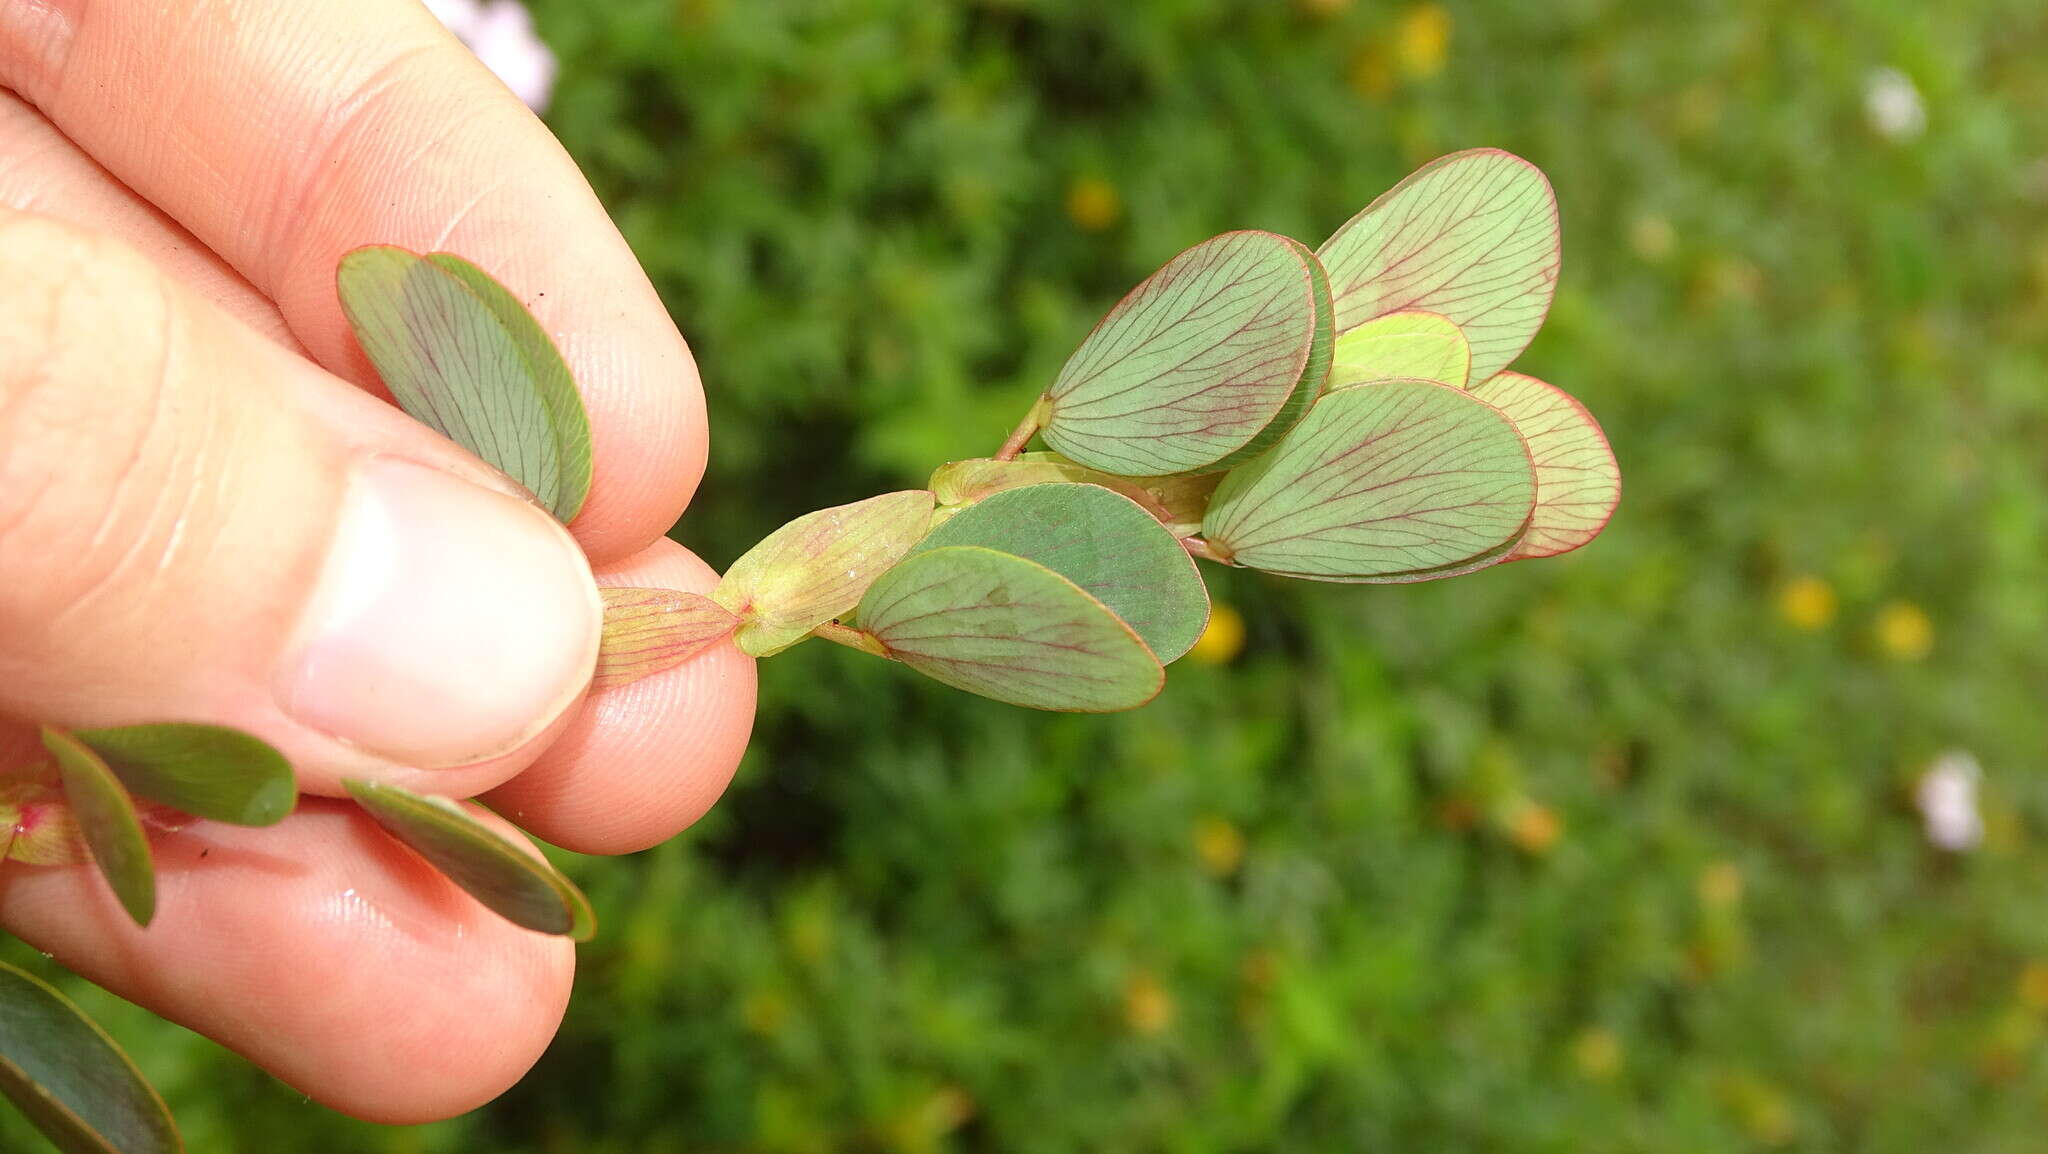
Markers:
{"x": 1893, "y": 105}
{"x": 1947, "y": 797}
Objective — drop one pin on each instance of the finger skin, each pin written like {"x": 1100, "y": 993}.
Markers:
{"x": 322, "y": 950}
{"x": 284, "y": 133}
{"x": 170, "y": 484}
{"x": 641, "y": 762}
{"x": 42, "y": 171}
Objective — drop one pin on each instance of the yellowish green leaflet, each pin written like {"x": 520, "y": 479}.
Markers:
{"x": 511, "y": 882}
{"x": 1010, "y": 629}
{"x": 1195, "y": 363}
{"x": 207, "y": 771}
{"x": 69, "y": 1078}
{"x": 1578, "y": 483}
{"x": 36, "y": 826}
{"x": 649, "y": 630}
{"x": 36, "y": 822}
{"x": 1415, "y": 346}
{"x": 1377, "y": 480}
{"x": 1472, "y": 236}
{"x": 106, "y": 817}
{"x": 816, "y": 567}
{"x": 461, "y": 354}
{"x": 1102, "y": 542}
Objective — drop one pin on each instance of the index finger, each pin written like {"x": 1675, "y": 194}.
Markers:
{"x": 284, "y": 133}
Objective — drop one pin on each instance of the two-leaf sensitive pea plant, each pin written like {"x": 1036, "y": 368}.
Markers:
{"x": 1345, "y": 414}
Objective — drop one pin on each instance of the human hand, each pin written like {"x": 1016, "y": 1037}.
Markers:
{"x": 207, "y": 514}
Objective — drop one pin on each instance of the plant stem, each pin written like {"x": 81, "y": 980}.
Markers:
{"x": 1021, "y": 435}
{"x": 839, "y": 634}
{"x": 1197, "y": 547}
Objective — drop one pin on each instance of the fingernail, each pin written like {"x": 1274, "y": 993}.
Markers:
{"x": 450, "y": 624}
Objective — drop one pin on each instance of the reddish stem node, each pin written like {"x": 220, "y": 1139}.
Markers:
{"x": 852, "y": 638}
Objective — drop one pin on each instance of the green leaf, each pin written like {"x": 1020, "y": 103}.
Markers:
{"x": 523, "y": 889}
{"x": 649, "y": 630}
{"x": 1472, "y": 236}
{"x": 816, "y": 567}
{"x": 1102, "y": 542}
{"x": 205, "y": 770}
{"x": 461, "y": 354}
{"x": 1313, "y": 379}
{"x": 1176, "y": 502}
{"x": 1505, "y": 551}
{"x": 1013, "y": 630}
{"x": 106, "y": 817}
{"x": 70, "y": 1079}
{"x": 1195, "y": 363}
{"x": 1412, "y": 345}
{"x": 1578, "y": 482}
{"x": 1379, "y": 480}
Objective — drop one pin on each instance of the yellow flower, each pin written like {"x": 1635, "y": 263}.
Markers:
{"x": 1093, "y": 204}
{"x": 1597, "y": 1053}
{"x": 2011, "y": 1040}
{"x": 1652, "y": 237}
{"x": 809, "y": 934}
{"x": 1423, "y": 40}
{"x": 2034, "y": 986}
{"x": 1534, "y": 828}
{"x": 1725, "y": 278}
{"x": 1220, "y": 846}
{"x": 1720, "y": 885}
{"x": 1698, "y": 110}
{"x": 1148, "y": 1008}
{"x": 1807, "y": 602}
{"x": 1371, "y": 73}
{"x": 925, "y": 1122}
{"x": 764, "y": 1012}
{"x": 1768, "y": 1117}
{"x": 1904, "y": 631}
{"x": 1223, "y": 640}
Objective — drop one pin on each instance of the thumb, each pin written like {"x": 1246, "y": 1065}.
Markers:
{"x": 197, "y": 525}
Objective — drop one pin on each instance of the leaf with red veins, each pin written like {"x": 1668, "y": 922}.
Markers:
{"x": 815, "y": 568}
{"x": 1013, "y": 630}
{"x": 461, "y": 354}
{"x": 647, "y": 631}
{"x": 1102, "y": 541}
{"x": 1389, "y": 480}
{"x": 1224, "y": 345}
{"x": 1578, "y": 482}
{"x": 1472, "y": 236}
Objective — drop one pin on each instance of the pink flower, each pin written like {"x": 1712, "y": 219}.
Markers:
{"x": 501, "y": 34}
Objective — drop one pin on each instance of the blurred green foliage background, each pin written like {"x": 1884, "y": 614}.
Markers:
{"x": 1611, "y": 853}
